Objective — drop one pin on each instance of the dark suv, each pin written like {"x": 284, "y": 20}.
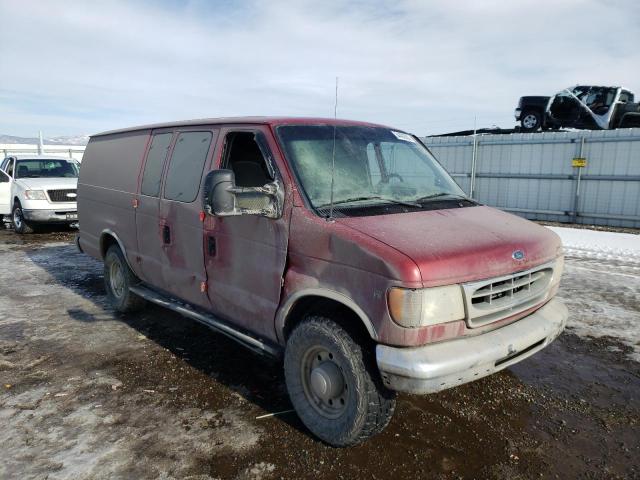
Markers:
{"x": 582, "y": 106}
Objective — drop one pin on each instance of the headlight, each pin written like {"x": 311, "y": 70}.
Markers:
{"x": 35, "y": 194}
{"x": 425, "y": 306}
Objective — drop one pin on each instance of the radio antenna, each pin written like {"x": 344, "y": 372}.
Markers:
{"x": 333, "y": 152}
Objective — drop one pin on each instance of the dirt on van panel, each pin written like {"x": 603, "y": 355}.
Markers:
{"x": 89, "y": 394}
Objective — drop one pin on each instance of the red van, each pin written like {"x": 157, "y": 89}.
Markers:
{"x": 342, "y": 247}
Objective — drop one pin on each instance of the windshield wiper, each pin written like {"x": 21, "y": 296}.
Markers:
{"x": 372, "y": 197}
{"x": 442, "y": 194}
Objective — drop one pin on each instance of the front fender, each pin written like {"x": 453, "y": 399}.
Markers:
{"x": 291, "y": 300}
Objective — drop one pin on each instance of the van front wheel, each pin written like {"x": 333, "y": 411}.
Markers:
{"x": 118, "y": 278}
{"x": 334, "y": 384}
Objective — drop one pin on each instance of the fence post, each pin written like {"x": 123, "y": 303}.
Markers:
{"x": 70, "y": 154}
{"x": 576, "y": 196}
{"x": 474, "y": 158}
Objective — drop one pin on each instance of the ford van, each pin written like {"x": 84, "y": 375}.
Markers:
{"x": 342, "y": 248}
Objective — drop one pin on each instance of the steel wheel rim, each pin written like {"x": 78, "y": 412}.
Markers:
{"x": 116, "y": 279}
{"x": 320, "y": 368}
{"x": 530, "y": 121}
{"x": 17, "y": 218}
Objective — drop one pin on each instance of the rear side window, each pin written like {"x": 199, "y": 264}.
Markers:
{"x": 187, "y": 163}
{"x": 153, "y": 166}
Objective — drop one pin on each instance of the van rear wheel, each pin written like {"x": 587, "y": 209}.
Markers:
{"x": 118, "y": 278}
{"x": 334, "y": 384}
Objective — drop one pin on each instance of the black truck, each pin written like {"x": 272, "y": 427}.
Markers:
{"x": 583, "y": 106}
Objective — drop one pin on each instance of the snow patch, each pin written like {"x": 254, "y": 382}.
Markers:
{"x": 601, "y": 285}
{"x": 581, "y": 242}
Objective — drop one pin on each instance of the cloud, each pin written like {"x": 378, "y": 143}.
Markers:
{"x": 80, "y": 67}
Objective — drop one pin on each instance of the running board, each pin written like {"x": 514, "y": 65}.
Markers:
{"x": 247, "y": 340}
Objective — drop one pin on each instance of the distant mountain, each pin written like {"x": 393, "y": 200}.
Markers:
{"x": 63, "y": 140}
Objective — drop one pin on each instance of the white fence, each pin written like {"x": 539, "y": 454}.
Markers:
{"x": 69, "y": 151}
{"x": 539, "y": 175}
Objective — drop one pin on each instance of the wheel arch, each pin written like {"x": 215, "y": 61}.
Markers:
{"x": 322, "y": 301}
{"x": 540, "y": 110}
{"x": 108, "y": 238}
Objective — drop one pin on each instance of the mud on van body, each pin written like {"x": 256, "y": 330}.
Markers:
{"x": 380, "y": 277}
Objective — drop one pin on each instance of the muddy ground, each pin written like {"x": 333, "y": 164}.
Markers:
{"x": 86, "y": 394}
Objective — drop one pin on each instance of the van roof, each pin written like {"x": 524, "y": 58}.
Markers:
{"x": 272, "y": 121}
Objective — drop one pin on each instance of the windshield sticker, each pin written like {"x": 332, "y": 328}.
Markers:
{"x": 404, "y": 136}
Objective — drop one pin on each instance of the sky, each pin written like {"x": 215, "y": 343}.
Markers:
{"x": 428, "y": 67}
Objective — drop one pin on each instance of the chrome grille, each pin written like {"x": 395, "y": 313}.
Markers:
{"x": 496, "y": 298}
{"x": 61, "y": 195}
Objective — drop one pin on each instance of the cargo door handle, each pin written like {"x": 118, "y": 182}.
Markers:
{"x": 166, "y": 234}
{"x": 211, "y": 246}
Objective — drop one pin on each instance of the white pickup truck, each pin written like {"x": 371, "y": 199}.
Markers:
{"x": 36, "y": 190}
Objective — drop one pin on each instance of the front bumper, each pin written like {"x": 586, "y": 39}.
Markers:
{"x": 51, "y": 216}
{"x": 439, "y": 366}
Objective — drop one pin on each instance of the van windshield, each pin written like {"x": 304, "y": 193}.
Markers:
{"x": 46, "y": 168}
{"x": 373, "y": 165}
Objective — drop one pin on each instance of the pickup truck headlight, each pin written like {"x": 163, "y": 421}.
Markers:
{"x": 425, "y": 306}
{"x": 35, "y": 195}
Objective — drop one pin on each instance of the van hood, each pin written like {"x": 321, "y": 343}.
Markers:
{"x": 58, "y": 183}
{"x": 462, "y": 244}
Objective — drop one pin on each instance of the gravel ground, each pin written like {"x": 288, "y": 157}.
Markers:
{"x": 87, "y": 394}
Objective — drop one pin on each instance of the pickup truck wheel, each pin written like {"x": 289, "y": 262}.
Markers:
{"x": 20, "y": 225}
{"x": 118, "y": 278}
{"x": 530, "y": 120}
{"x": 334, "y": 384}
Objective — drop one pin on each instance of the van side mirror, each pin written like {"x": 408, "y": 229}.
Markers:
{"x": 223, "y": 198}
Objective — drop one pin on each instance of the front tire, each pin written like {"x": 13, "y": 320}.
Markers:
{"x": 118, "y": 278}
{"x": 20, "y": 225}
{"x": 334, "y": 384}
{"x": 531, "y": 120}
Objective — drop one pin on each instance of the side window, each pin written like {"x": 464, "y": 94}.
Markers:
{"x": 185, "y": 169}
{"x": 244, "y": 157}
{"x": 4, "y": 178}
{"x": 3, "y": 165}
{"x": 153, "y": 166}
{"x": 10, "y": 168}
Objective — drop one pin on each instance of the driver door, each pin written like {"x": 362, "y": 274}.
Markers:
{"x": 5, "y": 194}
{"x": 245, "y": 256}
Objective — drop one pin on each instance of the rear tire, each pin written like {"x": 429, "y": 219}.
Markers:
{"x": 118, "y": 279}
{"x": 334, "y": 384}
{"x": 20, "y": 225}
{"x": 530, "y": 120}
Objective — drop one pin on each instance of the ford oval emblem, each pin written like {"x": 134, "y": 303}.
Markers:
{"x": 71, "y": 195}
{"x": 518, "y": 255}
